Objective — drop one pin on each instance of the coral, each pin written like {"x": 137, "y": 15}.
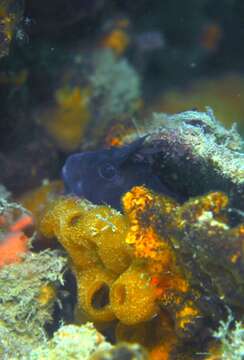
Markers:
{"x": 12, "y": 246}
{"x": 26, "y": 301}
{"x": 207, "y": 215}
{"x": 117, "y": 83}
{"x": 47, "y": 295}
{"x": 158, "y": 260}
{"x": 117, "y": 40}
{"x": 147, "y": 242}
{"x": 95, "y": 88}
{"x": 104, "y": 230}
{"x": 133, "y": 296}
{"x": 84, "y": 342}
{"x": 66, "y": 122}
{"x": 7, "y": 206}
{"x": 22, "y": 223}
{"x": 128, "y": 285}
{"x": 166, "y": 276}
{"x": 116, "y": 35}
{"x": 14, "y": 221}
{"x": 163, "y": 271}
{"x": 71, "y": 342}
{"x": 95, "y": 270}
{"x": 93, "y": 293}
{"x": 198, "y": 230}
{"x": 231, "y": 340}
{"x": 36, "y": 200}
{"x": 90, "y": 234}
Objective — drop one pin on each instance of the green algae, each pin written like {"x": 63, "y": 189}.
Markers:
{"x": 22, "y": 315}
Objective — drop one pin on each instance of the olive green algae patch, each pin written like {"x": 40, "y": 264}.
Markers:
{"x": 27, "y": 295}
{"x": 71, "y": 342}
{"x": 230, "y": 334}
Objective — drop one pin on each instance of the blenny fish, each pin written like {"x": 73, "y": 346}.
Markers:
{"x": 103, "y": 176}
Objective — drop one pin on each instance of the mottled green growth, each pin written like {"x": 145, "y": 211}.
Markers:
{"x": 231, "y": 339}
{"x": 6, "y": 206}
{"x": 115, "y": 84}
{"x": 22, "y": 312}
{"x": 195, "y": 154}
{"x": 203, "y": 234}
{"x": 209, "y": 140}
{"x": 71, "y": 342}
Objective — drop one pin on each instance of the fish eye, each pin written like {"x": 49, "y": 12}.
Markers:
{"x": 107, "y": 171}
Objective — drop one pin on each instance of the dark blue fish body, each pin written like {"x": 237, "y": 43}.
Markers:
{"x": 103, "y": 176}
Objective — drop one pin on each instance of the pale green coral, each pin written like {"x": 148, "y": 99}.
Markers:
{"x": 116, "y": 82}
{"x": 22, "y": 315}
{"x": 232, "y": 339}
{"x": 71, "y": 342}
{"x": 6, "y": 205}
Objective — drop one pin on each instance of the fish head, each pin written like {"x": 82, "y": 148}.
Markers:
{"x": 101, "y": 176}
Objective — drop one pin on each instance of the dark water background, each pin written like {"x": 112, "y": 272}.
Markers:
{"x": 174, "y": 45}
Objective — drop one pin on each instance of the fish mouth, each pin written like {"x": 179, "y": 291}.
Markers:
{"x": 72, "y": 175}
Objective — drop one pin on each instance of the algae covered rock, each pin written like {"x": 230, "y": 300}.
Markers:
{"x": 192, "y": 153}
{"x": 27, "y": 297}
{"x": 71, "y": 342}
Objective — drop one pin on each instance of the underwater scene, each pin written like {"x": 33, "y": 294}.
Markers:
{"x": 121, "y": 180}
